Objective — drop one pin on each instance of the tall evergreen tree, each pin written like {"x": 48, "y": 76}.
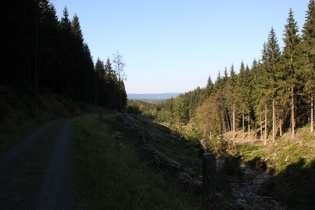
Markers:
{"x": 49, "y": 39}
{"x": 209, "y": 87}
{"x": 290, "y": 56}
{"x": 76, "y": 29}
{"x": 308, "y": 37}
{"x": 270, "y": 58}
{"x": 99, "y": 75}
{"x": 232, "y": 98}
{"x": 65, "y": 71}
{"x": 240, "y": 91}
{"x": 89, "y": 74}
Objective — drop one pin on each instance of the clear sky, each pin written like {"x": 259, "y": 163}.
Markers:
{"x": 175, "y": 45}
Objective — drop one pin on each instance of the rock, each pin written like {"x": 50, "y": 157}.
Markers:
{"x": 246, "y": 189}
{"x": 132, "y": 122}
{"x": 190, "y": 183}
{"x": 242, "y": 204}
{"x": 261, "y": 165}
{"x": 117, "y": 136}
{"x": 158, "y": 160}
{"x": 161, "y": 163}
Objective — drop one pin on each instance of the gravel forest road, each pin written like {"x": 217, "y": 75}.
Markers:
{"x": 36, "y": 173}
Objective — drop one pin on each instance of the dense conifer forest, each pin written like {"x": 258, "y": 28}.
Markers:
{"x": 43, "y": 54}
{"x": 275, "y": 94}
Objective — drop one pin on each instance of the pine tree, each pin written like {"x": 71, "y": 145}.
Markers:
{"x": 65, "y": 23}
{"x": 48, "y": 45}
{"x": 88, "y": 65}
{"x": 76, "y": 29}
{"x": 290, "y": 56}
{"x": 240, "y": 91}
{"x": 209, "y": 87}
{"x": 99, "y": 74}
{"x": 308, "y": 37}
{"x": 66, "y": 68}
{"x": 110, "y": 85}
{"x": 232, "y": 98}
{"x": 258, "y": 94}
{"x": 270, "y": 58}
{"x": 180, "y": 111}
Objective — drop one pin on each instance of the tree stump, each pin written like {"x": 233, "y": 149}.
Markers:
{"x": 209, "y": 169}
{"x": 101, "y": 114}
{"x": 141, "y": 135}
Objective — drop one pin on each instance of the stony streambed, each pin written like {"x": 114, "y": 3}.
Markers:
{"x": 246, "y": 191}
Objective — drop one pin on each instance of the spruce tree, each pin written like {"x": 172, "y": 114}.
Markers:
{"x": 232, "y": 98}
{"x": 49, "y": 46}
{"x": 241, "y": 94}
{"x": 209, "y": 87}
{"x": 308, "y": 37}
{"x": 270, "y": 59}
{"x": 99, "y": 72}
{"x": 290, "y": 57}
{"x": 88, "y": 65}
{"x": 76, "y": 29}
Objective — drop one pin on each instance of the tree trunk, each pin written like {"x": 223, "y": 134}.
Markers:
{"x": 248, "y": 127}
{"x": 228, "y": 125}
{"x": 243, "y": 125}
{"x": 280, "y": 126}
{"x": 36, "y": 59}
{"x": 273, "y": 121}
{"x": 292, "y": 113}
{"x": 261, "y": 127}
{"x": 233, "y": 121}
{"x": 312, "y": 112}
{"x": 265, "y": 136}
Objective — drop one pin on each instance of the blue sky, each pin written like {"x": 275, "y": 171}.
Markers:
{"x": 174, "y": 45}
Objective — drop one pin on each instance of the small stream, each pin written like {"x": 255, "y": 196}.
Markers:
{"x": 246, "y": 191}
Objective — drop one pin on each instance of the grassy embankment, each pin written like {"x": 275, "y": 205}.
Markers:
{"x": 111, "y": 175}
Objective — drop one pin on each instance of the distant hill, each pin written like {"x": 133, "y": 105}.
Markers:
{"x": 152, "y": 96}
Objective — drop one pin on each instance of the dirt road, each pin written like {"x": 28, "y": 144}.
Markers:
{"x": 35, "y": 174}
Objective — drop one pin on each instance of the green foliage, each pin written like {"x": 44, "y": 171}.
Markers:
{"x": 180, "y": 111}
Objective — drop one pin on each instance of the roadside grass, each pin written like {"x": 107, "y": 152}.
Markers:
{"x": 112, "y": 177}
